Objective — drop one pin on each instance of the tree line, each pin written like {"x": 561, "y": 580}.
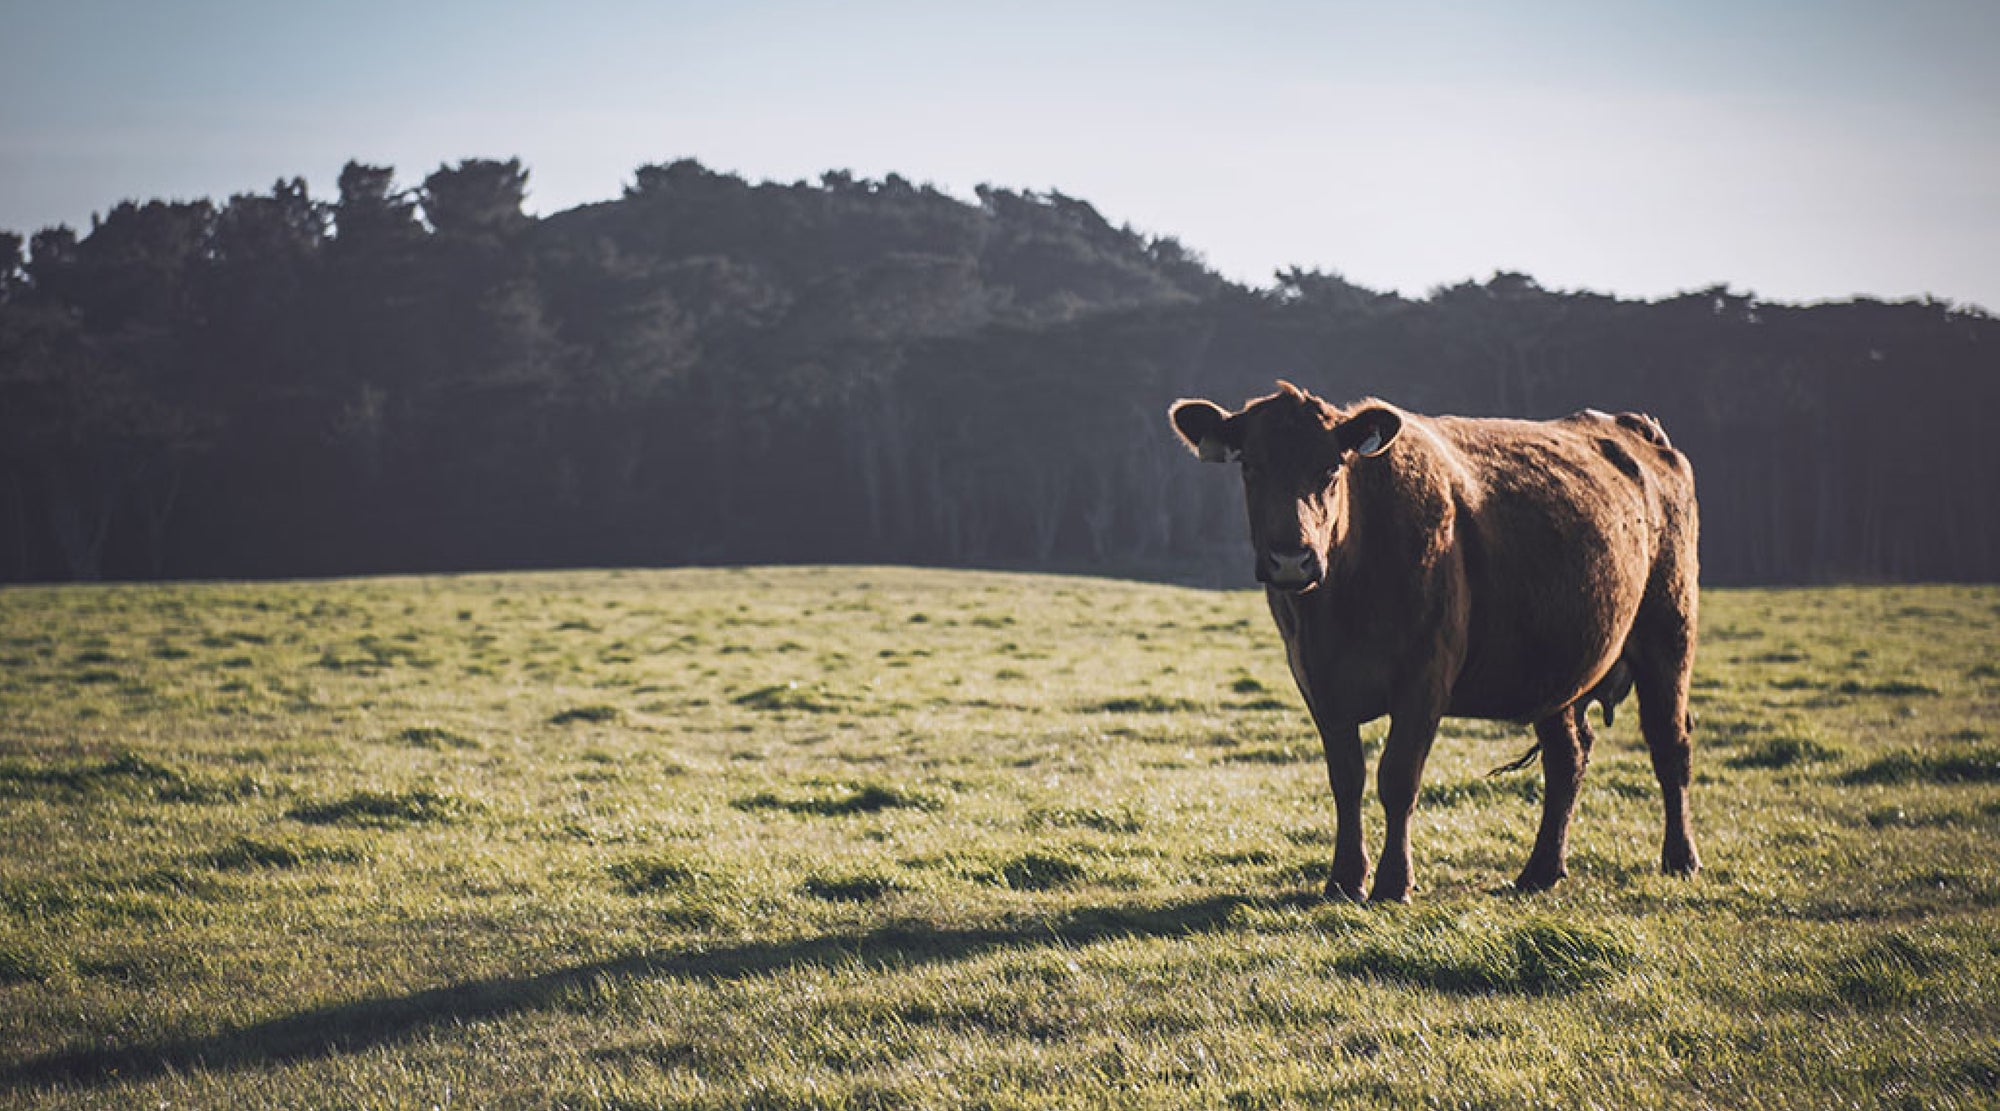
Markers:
{"x": 709, "y": 370}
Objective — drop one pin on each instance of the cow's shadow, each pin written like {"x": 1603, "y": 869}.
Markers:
{"x": 367, "y": 1023}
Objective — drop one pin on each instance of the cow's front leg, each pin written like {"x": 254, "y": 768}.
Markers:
{"x": 1397, "y": 781}
{"x": 1346, "y": 771}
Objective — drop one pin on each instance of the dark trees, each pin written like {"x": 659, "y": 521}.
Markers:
{"x": 101, "y": 386}
{"x": 713, "y": 370}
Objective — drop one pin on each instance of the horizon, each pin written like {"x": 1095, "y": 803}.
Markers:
{"x": 1640, "y": 153}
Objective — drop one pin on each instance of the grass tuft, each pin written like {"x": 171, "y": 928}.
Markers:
{"x": 1976, "y": 765}
{"x": 1784, "y": 752}
{"x": 867, "y": 798}
{"x": 1119, "y": 820}
{"x": 433, "y": 736}
{"x": 1896, "y": 969}
{"x": 1040, "y": 871}
{"x": 1141, "y": 704}
{"x": 1263, "y": 705}
{"x": 791, "y": 696}
{"x": 1539, "y": 956}
{"x": 1892, "y": 688}
{"x": 382, "y": 809}
{"x": 595, "y": 715}
{"x": 646, "y": 875}
{"x": 247, "y": 853}
{"x": 126, "y": 772}
{"x": 21, "y": 965}
{"x": 861, "y": 887}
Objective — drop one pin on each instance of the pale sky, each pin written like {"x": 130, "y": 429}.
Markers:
{"x": 1799, "y": 150}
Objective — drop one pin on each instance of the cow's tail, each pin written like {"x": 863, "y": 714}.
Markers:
{"x": 1527, "y": 758}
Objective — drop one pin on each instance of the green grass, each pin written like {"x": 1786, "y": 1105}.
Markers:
{"x": 886, "y": 838}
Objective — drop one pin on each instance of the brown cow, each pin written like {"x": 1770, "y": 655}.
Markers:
{"x": 1504, "y": 569}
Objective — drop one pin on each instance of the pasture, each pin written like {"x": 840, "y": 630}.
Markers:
{"x": 884, "y": 838}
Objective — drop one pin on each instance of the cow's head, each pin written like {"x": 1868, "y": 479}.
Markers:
{"x": 1295, "y": 451}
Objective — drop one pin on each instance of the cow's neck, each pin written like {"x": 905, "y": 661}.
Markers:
{"x": 1359, "y": 555}
{"x": 1341, "y": 562}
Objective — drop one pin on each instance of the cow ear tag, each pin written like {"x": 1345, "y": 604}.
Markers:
{"x": 1213, "y": 450}
{"x": 1377, "y": 432}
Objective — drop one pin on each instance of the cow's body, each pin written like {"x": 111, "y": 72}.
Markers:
{"x": 1429, "y": 566}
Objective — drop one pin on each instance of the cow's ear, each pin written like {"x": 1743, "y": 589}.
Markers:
{"x": 1369, "y": 432}
{"x": 1206, "y": 429}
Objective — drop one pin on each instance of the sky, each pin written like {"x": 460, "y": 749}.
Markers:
{"x": 1802, "y": 151}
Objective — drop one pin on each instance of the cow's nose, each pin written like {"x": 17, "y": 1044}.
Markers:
{"x": 1290, "y": 570}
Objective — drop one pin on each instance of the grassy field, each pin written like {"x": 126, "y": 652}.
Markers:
{"x": 883, "y": 838}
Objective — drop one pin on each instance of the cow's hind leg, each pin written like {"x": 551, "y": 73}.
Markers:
{"x": 1661, "y": 674}
{"x": 1564, "y": 738}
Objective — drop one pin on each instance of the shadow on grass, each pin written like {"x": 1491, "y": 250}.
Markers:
{"x": 368, "y": 1023}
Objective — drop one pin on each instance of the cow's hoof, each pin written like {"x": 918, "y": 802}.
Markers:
{"x": 1381, "y": 894}
{"x": 1534, "y": 878}
{"x": 1680, "y": 864}
{"x": 1337, "y": 892}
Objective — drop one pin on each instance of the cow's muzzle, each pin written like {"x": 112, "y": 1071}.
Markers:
{"x": 1293, "y": 571}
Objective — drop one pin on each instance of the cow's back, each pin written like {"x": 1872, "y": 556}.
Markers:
{"x": 1558, "y": 529}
